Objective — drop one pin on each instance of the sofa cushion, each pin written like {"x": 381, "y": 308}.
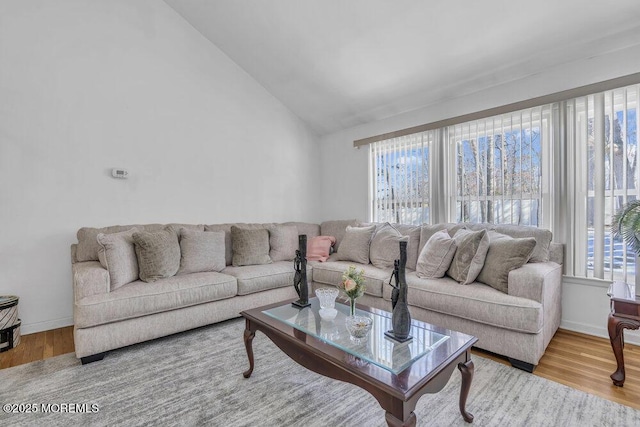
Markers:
{"x": 436, "y": 256}
{"x": 385, "y": 248}
{"x": 505, "y": 254}
{"x": 428, "y": 230}
{"x": 319, "y": 248}
{"x": 337, "y": 229}
{"x": 471, "y": 250}
{"x": 330, "y": 273}
{"x": 476, "y": 302}
{"x": 311, "y": 230}
{"x": 141, "y": 299}
{"x": 250, "y": 247}
{"x": 256, "y": 278}
{"x": 118, "y": 255}
{"x": 283, "y": 242}
{"x": 355, "y": 244}
{"x": 158, "y": 253}
{"x": 201, "y": 251}
{"x": 543, "y": 239}
{"x": 88, "y": 247}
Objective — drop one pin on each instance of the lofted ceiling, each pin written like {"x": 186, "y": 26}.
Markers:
{"x": 342, "y": 63}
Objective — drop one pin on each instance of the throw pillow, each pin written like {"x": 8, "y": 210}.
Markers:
{"x": 385, "y": 248}
{"x": 543, "y": 239}
{"x": 436, "y": 256}
{"x": 201, "y": 251}
{"x": 250, "y": 247}
{"x": 472, "y": 247}
{"x": 117, "y": 254}
{"x": 427, "y": 231}
{"x": 283, "y": 242}
{"x": 355, "y": 244}
{"x": 318, "y": 248}
{"x": 505, "y": 254}
{"x": 158, "y": 254}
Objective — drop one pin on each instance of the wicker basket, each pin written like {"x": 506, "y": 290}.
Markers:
{"x": 9, "y": 323}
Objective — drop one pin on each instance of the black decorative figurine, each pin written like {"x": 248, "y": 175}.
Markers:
{"x": 401, "y": 318}
{"x": 300, "y": 278}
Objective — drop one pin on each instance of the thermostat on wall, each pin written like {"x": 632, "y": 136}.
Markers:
{"x": 119, "y": 173}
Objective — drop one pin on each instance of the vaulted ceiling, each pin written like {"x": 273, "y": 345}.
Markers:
{"x": 341, "y": 63}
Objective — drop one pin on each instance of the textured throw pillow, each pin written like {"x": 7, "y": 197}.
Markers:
{"x": 318, "y": 248}
{"x": 117, "y": 254}
{"x": 385, "y": 247}
{"x": 471, "y": 250}
{"x": 543, "y": 239}
{"x": 436, "y": 256}
{"x": 427, "y": 231}
{"x": 201, "y": 251}
{"x": 505, "y": 254}
{"x": 283, "y": 242}
{"x": 355, "y": 244}
{"x": 158, "y": 254}
{"x": 250, "y": 247}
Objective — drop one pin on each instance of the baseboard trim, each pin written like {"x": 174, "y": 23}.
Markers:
{"x": 32, "y": 328}
{"x": 630, "y": 337}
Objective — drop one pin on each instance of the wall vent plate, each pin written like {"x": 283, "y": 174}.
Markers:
{"x": 119, "y": 173}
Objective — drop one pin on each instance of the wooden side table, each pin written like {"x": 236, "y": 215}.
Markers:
{"x": 625, "y": 314}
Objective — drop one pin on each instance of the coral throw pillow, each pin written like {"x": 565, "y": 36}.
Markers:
{"x": 318, "y": 248}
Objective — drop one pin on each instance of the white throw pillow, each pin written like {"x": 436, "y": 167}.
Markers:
{"x": 201, "y": 251}
{"x": 436, "y": 256}
{"x": 283, "y": 242}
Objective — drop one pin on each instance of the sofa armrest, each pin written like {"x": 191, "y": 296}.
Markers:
{"x": 533, "y": 280}
{"x": 89, "y": 278}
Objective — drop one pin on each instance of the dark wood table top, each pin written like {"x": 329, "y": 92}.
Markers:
{"x": 402, "y": 384}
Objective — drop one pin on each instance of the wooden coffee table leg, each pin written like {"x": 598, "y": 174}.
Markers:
{"x": 392, "y": 421}
{"x": 249, "y": 333}
{"x": 466, "y": 369}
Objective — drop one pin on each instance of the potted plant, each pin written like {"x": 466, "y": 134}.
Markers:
{"x": 626, "y": 223}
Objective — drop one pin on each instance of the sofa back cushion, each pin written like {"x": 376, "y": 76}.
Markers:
{"x": 471, "y": 250}
{"x": 118, "y": 255}
{"x": 311, "y": 230}
{"x": 201, "y": 251}
{"x": 505, "y": 254}
{"x": 158, "y": 253}
{"x": 283, "y": 242}
{"x": 355, "y": 244}
{"x": 250, "y": 246}
{"x": 337, "y": 229}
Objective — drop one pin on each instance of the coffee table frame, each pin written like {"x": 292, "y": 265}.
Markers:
{"x": 397, "y": 394}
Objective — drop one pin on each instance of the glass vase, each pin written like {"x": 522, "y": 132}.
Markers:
{"x": 352, "y": 306}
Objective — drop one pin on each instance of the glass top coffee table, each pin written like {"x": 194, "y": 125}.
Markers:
{"x": 396, "y": 374}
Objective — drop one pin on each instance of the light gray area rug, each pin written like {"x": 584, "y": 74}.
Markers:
{"x": 195, "y": 378}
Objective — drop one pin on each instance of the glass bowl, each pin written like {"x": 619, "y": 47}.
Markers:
{"x": 327, "y": 297}
{"x": 358, "y": 327}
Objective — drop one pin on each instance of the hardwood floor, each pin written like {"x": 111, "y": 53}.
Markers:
{"x": 580, "y": 361}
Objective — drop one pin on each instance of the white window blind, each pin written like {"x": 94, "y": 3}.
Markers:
{"x": 602, "y": 144}
{"x": 400, "y": 179}
{"x": 499, "y": 163}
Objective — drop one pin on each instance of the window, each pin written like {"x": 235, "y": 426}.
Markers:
{"x": 602, "y": 137}
{"x": 501, "y": 170}
{"x": 400, "y": 187}
{"x": 499, "y": 167}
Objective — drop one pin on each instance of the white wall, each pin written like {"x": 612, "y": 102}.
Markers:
{"x": 86, "y": 86}
{"x": 345, "y": 169}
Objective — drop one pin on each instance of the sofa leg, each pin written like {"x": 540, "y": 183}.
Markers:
{"x": 92, "y": 358}
{"x": 522, "y": 365}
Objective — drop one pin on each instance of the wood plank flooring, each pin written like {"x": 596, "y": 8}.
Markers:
{"x": 583, "y": 362}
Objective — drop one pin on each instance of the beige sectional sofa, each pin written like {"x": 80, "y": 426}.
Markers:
{"x": 518, "y": 324}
